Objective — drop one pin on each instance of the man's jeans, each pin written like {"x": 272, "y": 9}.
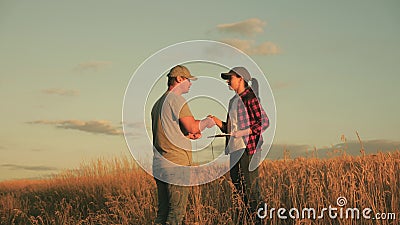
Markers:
{"x": 172, "y": 202}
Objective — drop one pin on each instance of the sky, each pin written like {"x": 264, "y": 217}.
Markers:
{"x": 333, "y": 67}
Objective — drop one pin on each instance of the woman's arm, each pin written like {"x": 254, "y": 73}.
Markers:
{"x": 222, "y": 125}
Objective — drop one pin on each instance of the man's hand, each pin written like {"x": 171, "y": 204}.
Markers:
{"x": 210, "y": 122}
{"x": 194, "y": 136}
{"x": 206, "y": 122}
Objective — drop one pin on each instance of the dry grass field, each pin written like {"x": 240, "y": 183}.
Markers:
{"x": 117, "y": 192}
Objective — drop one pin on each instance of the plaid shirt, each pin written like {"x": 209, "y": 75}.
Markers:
{"x": 250, "y": 115}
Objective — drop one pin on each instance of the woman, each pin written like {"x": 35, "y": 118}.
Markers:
{"x": 246, "y": 120}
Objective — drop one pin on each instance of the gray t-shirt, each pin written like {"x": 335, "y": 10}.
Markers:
{"x": 168, "y": 138}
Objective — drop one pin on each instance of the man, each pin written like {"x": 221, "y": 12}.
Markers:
{"x": 172, "y": 125}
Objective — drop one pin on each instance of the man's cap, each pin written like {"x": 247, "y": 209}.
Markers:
{"x": 241, "y": 71}
{"x": 182, "y": 71}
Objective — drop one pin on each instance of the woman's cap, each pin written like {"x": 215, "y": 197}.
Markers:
{"x": 241, "y": 71}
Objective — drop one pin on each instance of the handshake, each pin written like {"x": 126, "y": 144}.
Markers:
{"x": 207, "y": 122}
{"x": 211, "y": 121}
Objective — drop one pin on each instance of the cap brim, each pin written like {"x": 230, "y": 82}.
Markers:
{"x": 192, "y": 78}
{"x": 226, "y": 76}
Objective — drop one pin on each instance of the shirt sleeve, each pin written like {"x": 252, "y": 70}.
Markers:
{"x": 185, "y": 111}
{"x": 224, "y": 128}
{"x": 179, "y": 107}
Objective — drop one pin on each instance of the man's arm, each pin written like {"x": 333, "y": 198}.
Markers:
{"x": 195, "y": 126}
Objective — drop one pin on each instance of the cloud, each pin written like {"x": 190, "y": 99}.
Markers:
{"x": 93, "y": 126}
{"x": 135, "y": 130}
{"x": 136, "y": 125}
{"x": 248, "y": 27}
{"x": 93, "y": 65}
{"x": 32, "y": 168}
{"x": 249, "y": 47}
{"x": 61, "y": 92}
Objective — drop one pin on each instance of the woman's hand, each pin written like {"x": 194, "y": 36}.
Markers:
{"x": 241, "y": 133}
{"x": 217, "y": 121}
